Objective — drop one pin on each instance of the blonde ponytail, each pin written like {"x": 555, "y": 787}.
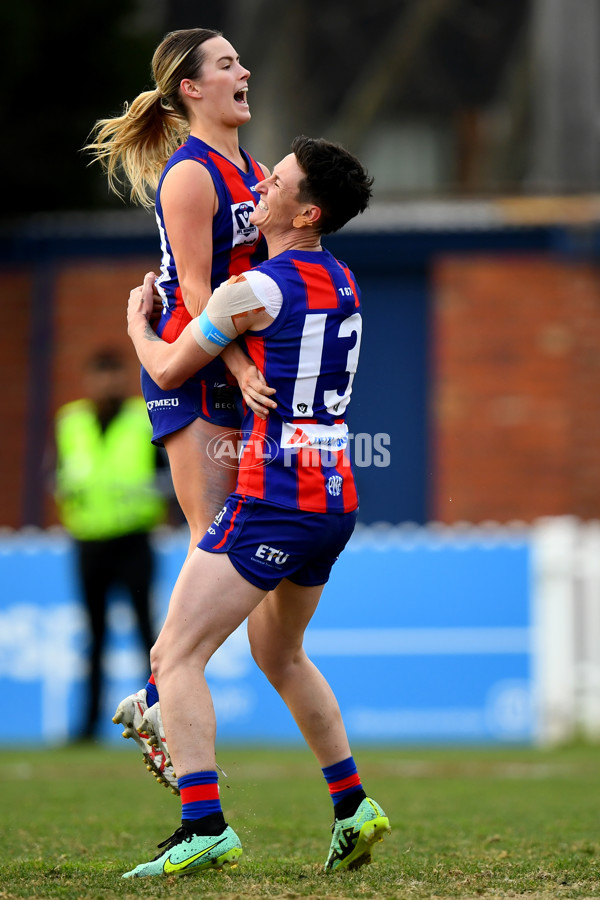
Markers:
{"x": 134, "y": 147}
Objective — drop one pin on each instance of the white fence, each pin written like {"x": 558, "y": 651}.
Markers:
{"x": 566, "y": 628}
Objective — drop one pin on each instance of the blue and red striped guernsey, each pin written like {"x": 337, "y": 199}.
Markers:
{"x": 237, "y": 244}
{"x": 321, "y": 292}
{"x": 298, "y": 456}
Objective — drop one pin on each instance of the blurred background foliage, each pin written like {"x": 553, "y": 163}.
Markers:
{"x": 439, "y": 97}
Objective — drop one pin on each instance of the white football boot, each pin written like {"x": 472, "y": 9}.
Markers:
{"x": 152, "y": 726}
{"x": 136, "y": 717}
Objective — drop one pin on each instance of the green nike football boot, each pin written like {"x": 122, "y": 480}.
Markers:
{"x": 186, "y": 852}
{"x": 353, "y": 838}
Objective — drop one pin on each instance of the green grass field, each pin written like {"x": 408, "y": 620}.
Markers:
{"x": 466, "y": 823}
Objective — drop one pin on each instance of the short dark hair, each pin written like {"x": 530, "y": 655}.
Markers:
{"x": 335, "y": 180}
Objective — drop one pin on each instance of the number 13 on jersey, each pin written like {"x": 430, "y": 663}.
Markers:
{"x": 311, "y": 361}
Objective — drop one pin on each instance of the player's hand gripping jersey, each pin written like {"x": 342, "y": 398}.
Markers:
{"x": 298, "y": 456}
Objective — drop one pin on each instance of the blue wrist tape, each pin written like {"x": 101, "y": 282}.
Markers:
{"x": 211, "y": 332}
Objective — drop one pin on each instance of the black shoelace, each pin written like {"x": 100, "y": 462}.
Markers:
{"x": 178, "y": 836}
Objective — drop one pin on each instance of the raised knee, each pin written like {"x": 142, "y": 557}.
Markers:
{"x": 155, "y": 662}
{"x": 275, "y": 664}
{"x": 263, "y": 658}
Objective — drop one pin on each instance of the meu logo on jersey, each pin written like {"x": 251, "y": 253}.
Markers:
{"x": 270, "y": 555}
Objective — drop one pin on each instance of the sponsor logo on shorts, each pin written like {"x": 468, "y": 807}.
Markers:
{"x": 270, "y": 555}
{"x": 163, "y": 403}
{"x": 219, "y": 516}
{"x": 223, "y": 396}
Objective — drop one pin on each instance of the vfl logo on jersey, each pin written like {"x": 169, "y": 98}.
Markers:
{"x": 334, "y": 485}
{"x": 270, "y": 555}
{"x": 243, "y": 230}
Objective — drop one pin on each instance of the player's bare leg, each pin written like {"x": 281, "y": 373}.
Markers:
{"x": 209, "y": 601}
{"x": 276, "y": 631}
{"x": 201, "y": 485}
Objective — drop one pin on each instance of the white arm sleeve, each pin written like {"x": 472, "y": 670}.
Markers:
{"x": 266, "y": 290}
{"x": 213, "y": 329}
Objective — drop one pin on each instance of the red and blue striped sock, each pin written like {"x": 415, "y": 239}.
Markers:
{"x": 151, "y": 692}
{"x": 200, "y": 803}
{"x": 345, "y": 787}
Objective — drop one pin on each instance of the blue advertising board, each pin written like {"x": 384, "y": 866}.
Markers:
{"x": 423, "y": 633}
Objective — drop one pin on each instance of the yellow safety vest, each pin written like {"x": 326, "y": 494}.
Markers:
{"x": 106, "y": 481}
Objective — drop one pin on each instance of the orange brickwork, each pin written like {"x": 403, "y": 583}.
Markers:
{"x": 515, "y": 379}
{"x": 17, "y": 291}
{"x": 90, "y": 313}
{"x": 90, "y": 302}
{"x": 516, "y": 389}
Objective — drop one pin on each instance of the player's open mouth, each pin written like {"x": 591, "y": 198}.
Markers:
{"x": 262, "y": 205}
{"x": 240, "y": 96}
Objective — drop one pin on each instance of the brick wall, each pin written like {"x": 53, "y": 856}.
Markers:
{"x": 89, "y": 300}
{"x": 91, "y": 313}
{"x": 516, "y": 397}
{"x": 515, "y": 415}
{"x": 14, "y": 341}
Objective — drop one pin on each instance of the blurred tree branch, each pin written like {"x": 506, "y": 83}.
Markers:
{"x": 390, "y": 64}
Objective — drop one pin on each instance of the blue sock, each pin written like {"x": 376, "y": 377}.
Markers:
{"x": 199, "y": 795}
{"x": 151, "y": 692}
{"x": 345, "y": 787}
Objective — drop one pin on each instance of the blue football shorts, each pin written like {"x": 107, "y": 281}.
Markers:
{"x": 200, "y": 397}
{"x": 266, "y": 542}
